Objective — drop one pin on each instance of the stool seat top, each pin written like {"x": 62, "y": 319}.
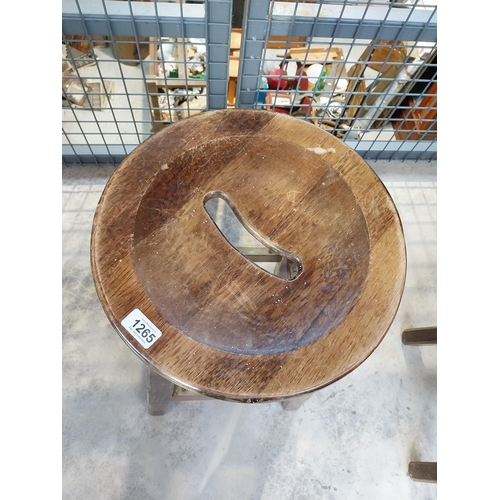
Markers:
{"x": 199, "y": 312}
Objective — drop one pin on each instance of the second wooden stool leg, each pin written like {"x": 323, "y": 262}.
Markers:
{"x": 420, "y": 336}
{"x": 159, "y": 392}
{"x": 425, "y": 472}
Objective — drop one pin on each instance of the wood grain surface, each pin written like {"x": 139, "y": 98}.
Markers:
{"x": 230, "y": 329}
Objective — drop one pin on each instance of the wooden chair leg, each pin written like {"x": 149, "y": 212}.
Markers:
{"x": 294, "y": 403}
{"x": 420, "y": 336}
{"x": 425, "y": 472}
{"x": 160, "y": 392}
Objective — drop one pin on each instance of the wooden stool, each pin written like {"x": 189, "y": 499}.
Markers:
{"x": 206, "y": 318}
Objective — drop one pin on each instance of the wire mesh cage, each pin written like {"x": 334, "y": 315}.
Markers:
{"x": 365, "y": 71}
{"x": 131, "y": 68}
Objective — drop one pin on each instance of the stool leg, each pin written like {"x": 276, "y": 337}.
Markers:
{"x": 420, "y": 336}
{"x": 425, "y": 472}
{"x": 294, "y": 403}
{"x": 159, "y": 392}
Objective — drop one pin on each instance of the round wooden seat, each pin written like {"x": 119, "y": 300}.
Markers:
{"x": 200, "y": 313}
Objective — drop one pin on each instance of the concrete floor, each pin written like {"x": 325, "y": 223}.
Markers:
{"x": 352, "y": 440}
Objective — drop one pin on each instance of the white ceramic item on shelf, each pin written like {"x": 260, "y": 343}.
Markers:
{"x": 341, "y": 85}
{"x": 166, "y": 52}
{"x": 314, "y": 72}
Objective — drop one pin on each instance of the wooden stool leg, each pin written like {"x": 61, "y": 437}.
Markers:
{"x": 425, "y": 472}
{"x": 159, "y": 392}
{"x": 294, "y": 403}
{"x": 420, "y": 336}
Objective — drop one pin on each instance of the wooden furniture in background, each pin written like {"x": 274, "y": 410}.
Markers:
{"x": 157, "y": 87}
{"x": 82, "y": 44}
{"x": 202, "y": 315}
{"x": 274, "y": 42}
{"x": 412, "y": 121}
{"x": 126, "y": 47}
{"x": 381, "y": 59}
{"x": 157, "y": 84}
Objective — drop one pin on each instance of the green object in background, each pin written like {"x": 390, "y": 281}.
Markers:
{"x": 320, "y": 84}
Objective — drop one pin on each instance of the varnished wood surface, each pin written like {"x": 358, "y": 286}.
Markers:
{"x": 231, "y": 330}
{"x": 425, "y": 472}
{"x": 420, "y": 336}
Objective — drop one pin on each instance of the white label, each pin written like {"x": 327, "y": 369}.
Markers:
{"x": 141, "y": 328}
{"x": 282, "y": 101}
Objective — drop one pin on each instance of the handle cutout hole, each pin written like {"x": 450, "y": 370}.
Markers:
{"x": 245, "y": 239}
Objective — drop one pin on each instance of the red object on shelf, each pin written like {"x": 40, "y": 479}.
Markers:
{"x": 279, "y": 78}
